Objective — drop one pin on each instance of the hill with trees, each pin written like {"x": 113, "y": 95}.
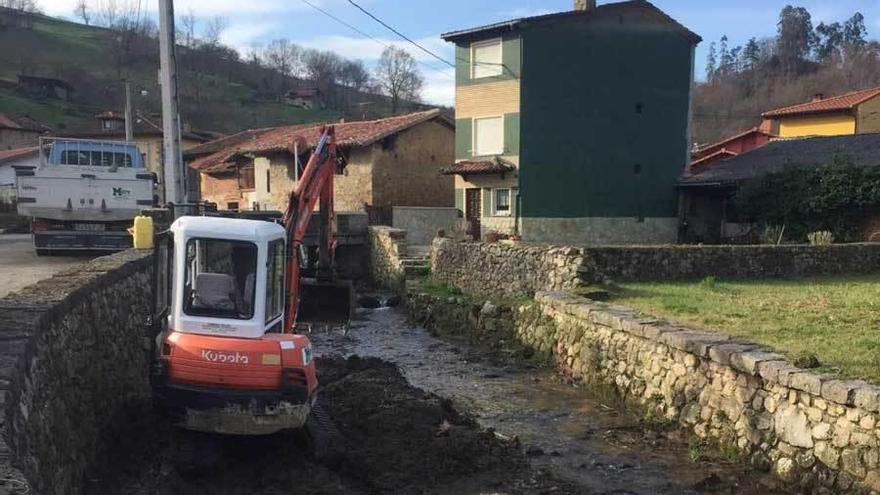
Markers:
{"x": 801, "y": 61}
{"x": 220, "y": 88}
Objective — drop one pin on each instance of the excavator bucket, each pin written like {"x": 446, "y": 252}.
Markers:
{"x": 325, "y": 303}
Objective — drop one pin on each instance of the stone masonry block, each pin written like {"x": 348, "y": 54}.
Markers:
{"x": 721, "y": 354}
{"x": 867, "y": 397}
{"x": 690, "y": 340}
{"x": 770, "y": 370}
{"x": 807, "y": 381}
{"x": 748, "y": 361}
{"x": 841, "y": 391}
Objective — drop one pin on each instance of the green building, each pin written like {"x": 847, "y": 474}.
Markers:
{"x": 573, "y": 127}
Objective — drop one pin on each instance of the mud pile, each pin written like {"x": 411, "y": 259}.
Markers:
{"x": 397, "y": 439}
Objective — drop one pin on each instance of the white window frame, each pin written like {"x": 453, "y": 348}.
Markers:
{"x": 474, "y": 135}
{"x": 509, "y": 211}
{"x": 477, "y": 44}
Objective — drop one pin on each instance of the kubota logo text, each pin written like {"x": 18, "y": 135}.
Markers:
{"x": 224, "y": 357}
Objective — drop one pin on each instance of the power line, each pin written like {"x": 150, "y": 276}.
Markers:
{"x": 420, "y": 47}
{"x": 368, "y": 36}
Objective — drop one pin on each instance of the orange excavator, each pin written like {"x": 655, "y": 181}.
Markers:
{"x": 231, "y": 294}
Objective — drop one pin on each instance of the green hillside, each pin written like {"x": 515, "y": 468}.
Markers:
{"x": 218, "y": 92}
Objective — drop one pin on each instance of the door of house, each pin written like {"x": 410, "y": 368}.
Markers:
{"x": 472, "y": 212}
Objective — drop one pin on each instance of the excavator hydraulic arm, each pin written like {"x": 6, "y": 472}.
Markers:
{"x": 322, "y": 300}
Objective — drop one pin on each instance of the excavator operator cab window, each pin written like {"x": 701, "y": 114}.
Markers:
{"x": 220, "y": 278}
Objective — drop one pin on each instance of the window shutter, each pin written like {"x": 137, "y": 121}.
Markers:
{"x": 487, "y": 202}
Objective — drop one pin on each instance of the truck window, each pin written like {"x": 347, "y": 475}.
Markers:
{"x": 220, "y": 278}
{"x": 96, "y": 158}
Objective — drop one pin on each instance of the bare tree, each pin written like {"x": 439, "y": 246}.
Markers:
{"x": 214, "y": 30}
{"x": 187, "y": 33}
{"x": 83, "y": 11}
{"x": 20, "y": 13}
{"x": 285, "y": 58}
{"x": 398, "y": 77}
{"x": 108, "y": 12}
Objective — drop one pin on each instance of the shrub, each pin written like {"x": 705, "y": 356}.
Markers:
{"x": 820, "y": 238}
{"x": 772, "y": 234}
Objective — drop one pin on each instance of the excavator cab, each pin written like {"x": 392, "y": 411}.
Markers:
{"x": 224, "y": 363}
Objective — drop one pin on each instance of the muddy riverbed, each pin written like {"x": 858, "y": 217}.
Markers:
{"x": 422, "y": 414}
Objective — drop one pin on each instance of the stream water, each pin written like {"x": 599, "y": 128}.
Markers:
{"x": 577, "y": 435}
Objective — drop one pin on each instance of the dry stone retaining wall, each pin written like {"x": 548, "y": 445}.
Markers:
{"x": 811, "y": 430}
{"x": 521, "y": 269}
{"x": 74, "y": 359}
{"x": 502, "y": 269}
{"x": 387, "y": 246}
{"x": 814, "y": 432}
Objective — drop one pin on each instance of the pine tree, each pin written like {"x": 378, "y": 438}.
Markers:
{"x": 711, "y": 62}
{"x": 726, "y": 60}
{"x": 751, "y": 54}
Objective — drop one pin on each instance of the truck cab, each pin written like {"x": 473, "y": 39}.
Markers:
{"x": 224, "y": 363}
{"x": 84, "y": 194}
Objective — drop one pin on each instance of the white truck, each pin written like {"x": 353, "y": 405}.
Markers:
{"x": 84, "y": 194}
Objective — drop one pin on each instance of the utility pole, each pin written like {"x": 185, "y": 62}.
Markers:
{"x": 174, "y": 180}
{"x": 129, "y": 131}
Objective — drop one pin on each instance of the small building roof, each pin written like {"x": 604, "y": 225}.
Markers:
{"x": 21, "y": 124}
{"x": 304, "y": 93}
{"x": 601, "y": 10}
{"x": 482, "y": 167}
{"x": 44, "y": 80}
{"x": 348, "y": 135}
{"x": 779, "y": 155}
{"x": 720, "y": 144}
{"x": 846, "y": 101}
{"x": 711, "y": 157}
{"x": 17, "y": 154}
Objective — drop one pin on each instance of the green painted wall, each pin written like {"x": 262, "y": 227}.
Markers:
{"x": 511, "y": 55}
{"x": 464, "y": 129}
{"x": 582, "y": 136}
{"x": 459, "y": 199}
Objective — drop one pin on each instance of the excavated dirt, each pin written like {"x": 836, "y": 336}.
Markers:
{"x": 397, "y": 439}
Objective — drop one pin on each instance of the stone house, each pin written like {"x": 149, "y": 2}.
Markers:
{"x": 388, "y": 162}
{"x": 856, "y": 112}
{"x": 572, "y": 127}
{"x": 147, "y": 135}
{"x": 18, "y": 132}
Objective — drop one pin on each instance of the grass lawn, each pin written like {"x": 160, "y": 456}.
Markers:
{"x": 835, "y": 318}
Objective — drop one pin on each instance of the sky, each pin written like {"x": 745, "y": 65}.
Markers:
{"x": 256, "y": 22}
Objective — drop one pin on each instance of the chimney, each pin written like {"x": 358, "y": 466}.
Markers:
{"x": 818, "y": 97}
{"x": 584, "y": 5}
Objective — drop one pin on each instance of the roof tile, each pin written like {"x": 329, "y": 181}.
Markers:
{"x": 834, "y": 104}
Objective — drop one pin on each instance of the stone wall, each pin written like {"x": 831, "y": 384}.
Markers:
{"x": 422, "y": 223}
{"x": 75, "y": 362}
{"x": 814, "y": 432}
{"x": 631, "y": 263}
{"x": 523, "y": 269}
{"x": 387, "y": 246}
{"x": 503, "y": 269}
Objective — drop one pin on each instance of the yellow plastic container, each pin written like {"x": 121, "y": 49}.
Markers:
{"x": 142, "y": 232}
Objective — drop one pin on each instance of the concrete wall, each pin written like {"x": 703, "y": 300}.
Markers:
{"x": 422, "y": 223}
{"x": 816, "y": 434}
{"x": 77, "y": 342}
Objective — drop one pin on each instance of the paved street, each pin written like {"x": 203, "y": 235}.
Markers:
{"x": 20, "y": 266}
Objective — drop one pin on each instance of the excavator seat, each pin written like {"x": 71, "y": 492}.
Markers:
{"x": 325, "y": 303}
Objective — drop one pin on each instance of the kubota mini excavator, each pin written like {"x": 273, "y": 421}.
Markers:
{"x": 230, "y": 296}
